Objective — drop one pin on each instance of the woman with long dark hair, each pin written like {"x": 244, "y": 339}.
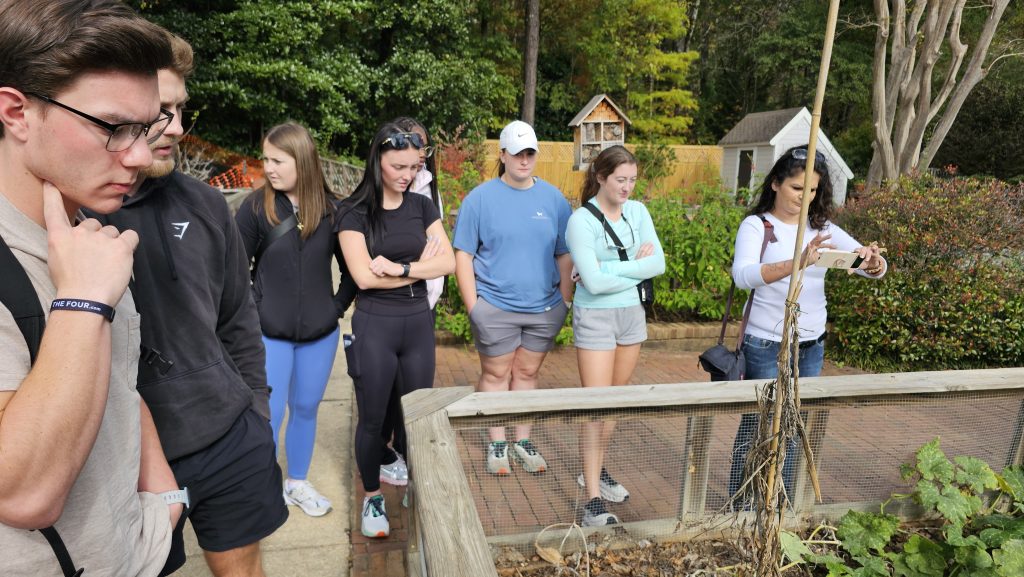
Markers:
{"x": 777, "y": 211}
{"x": 392, "y": 241}
{"x": 608, "y": 321}
{"x": 287, "y": 228}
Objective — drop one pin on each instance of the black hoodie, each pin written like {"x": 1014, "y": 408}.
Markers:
{"x": 191, "y": 286}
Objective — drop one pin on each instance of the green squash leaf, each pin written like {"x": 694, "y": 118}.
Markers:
{"x": 863, "y": 532}
{"x": 975, "y": 474}
{"x": 933, "y": 463}
{"x": 1009, "y": 559}
{"x": 793, "y": 547}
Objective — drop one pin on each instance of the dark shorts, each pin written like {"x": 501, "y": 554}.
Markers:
{"x": 235, "y": 486}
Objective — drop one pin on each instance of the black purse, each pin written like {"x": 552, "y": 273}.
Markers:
{"x": 644, "y": 288}
{"x": 719, "y": 361}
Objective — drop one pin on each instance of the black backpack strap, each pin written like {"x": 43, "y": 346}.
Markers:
{"x": 67, "y": 566}
{"x": 19, "y": 296}
{"x": 275, "y": 233}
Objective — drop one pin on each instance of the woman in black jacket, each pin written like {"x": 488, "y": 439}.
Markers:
{"x": 287, "y": 229}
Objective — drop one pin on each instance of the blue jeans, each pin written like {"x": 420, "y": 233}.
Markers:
{"x": 762, "y": 362}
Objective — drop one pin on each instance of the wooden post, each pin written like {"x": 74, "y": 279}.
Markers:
{"x": 803, "y": 497}
{"x": 453, "y": 540}
{"x": 694, "y": 490}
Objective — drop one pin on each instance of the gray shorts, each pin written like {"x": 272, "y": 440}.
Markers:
{"x": 498, "y": 332}
{"x": 604, "y": 329}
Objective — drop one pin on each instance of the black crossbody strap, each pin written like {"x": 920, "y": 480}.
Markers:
{"x": 275, "y": 233}
{"x": 608, "y": 229}
{"x": 19, "y": 296}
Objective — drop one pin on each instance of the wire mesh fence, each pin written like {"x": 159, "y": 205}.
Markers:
{"x": 675, "y": 457}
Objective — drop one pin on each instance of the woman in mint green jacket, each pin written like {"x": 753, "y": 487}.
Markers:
{"x": 608, "y": 319}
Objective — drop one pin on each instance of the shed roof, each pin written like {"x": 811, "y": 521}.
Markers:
{"x": 759, "y": 127}
{"x": 578, "y": 119}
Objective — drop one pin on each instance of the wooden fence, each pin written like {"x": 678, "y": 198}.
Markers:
{"x": 693, "y": 165}
{"x": 447, "y": 537}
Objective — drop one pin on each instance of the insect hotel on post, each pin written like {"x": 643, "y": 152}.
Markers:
{"x": 600, "y": 124}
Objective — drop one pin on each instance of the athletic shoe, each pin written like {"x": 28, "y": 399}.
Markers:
{"x": 303, "y": 495}
{"x": 396, "y": 473}
{"x": 611, "y": 490}
{"x": 527, "y": 454}
{"x": 596, "y": 515}
{"x": 375, "y": 519}
{"x": 497, "y": 458}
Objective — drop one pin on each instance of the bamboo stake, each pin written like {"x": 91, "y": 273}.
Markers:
{"x": 796, "y": 276}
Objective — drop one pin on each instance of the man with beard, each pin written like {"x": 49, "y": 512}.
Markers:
{"x": 202, "y": 368}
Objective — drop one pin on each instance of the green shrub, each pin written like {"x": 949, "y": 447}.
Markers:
{"x": 698, "y": 243}
{"x": 952, "y": 297}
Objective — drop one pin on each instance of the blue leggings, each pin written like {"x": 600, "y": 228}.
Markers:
{"x": 298, "y": 373}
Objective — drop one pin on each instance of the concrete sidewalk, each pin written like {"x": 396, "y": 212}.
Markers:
{"x": 307, "y": 546}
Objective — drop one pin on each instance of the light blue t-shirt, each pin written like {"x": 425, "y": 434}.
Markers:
{"x": 605, "y": 281}
{"x": 514, "y": 236}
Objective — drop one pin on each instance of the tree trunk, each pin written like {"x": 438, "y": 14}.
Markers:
{"x": 904, "y": 106}
{"x": 530, "y": 60}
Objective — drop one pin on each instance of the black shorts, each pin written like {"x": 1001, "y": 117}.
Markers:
{"x": 234, "y": 486}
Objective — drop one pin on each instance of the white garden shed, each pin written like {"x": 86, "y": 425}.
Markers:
{"x": 750, "y": 149}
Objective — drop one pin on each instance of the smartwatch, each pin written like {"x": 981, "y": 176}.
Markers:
{"x": 175, "y": 497}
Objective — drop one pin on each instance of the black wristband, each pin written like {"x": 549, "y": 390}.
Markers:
{"x": 405, "y": 270}
{"x": 106, "y": 311}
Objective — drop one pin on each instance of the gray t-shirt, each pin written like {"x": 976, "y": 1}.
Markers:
{"x": 108, "y": 526}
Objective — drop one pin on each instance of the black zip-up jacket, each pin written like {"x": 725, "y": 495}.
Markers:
{"x": 191, "y": 286}
{"x": 292, "y": 285}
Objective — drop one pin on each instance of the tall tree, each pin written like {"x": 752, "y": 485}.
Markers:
{"x": 911, "y": 119}
{"x": 530, "y": 60}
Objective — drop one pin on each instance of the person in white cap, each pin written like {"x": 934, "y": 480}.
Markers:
{"x": 513, "y": 269}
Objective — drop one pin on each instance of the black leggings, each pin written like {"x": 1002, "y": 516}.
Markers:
{"x": 386, "y": 345}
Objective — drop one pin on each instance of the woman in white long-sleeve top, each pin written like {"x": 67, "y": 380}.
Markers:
{"x": 609, "y": 322}
{"x": 778, "y": 210}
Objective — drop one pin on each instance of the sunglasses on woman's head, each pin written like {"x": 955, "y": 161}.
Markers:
{"x": 402, "y": 140}
{"x": 801, "y": 154}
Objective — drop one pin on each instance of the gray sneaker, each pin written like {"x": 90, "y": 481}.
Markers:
{"x": 396, "y": 473}
{"x": 596, "y": 515}
{"x": 527, "y": 454}
{"x": 497, "y": 458}
{"x": 375, "y": 518}
{"x": 305, "y": 497}
{"x": 611, "y": 490}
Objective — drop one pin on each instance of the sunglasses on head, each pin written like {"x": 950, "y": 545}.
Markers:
{"x": 801, "y": 154}
{"x": 402, "y": 140}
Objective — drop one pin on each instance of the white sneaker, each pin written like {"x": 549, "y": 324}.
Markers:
{"x": 497, "y": 458}
{"x": 611, "y": 490}
{"x": 596, "y": 515}
{"x": 375, "y": 518}
{"x": 527, "y": 454}
{"x": 396, "y": 473}
{"x": 303, "y": 495}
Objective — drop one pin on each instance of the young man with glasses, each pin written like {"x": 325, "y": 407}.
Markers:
{"x": 202, "y": 370}
{"x": 83, "y": 470}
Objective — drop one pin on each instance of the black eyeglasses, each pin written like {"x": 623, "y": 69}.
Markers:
{"x": 124, "y": 134}
{"x": 402, "y": 140}
{"x": 612, "y": 246}
{"x": 801, "y": 154}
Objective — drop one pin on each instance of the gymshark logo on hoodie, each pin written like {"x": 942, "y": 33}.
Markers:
{"x": 180, "y": 227}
